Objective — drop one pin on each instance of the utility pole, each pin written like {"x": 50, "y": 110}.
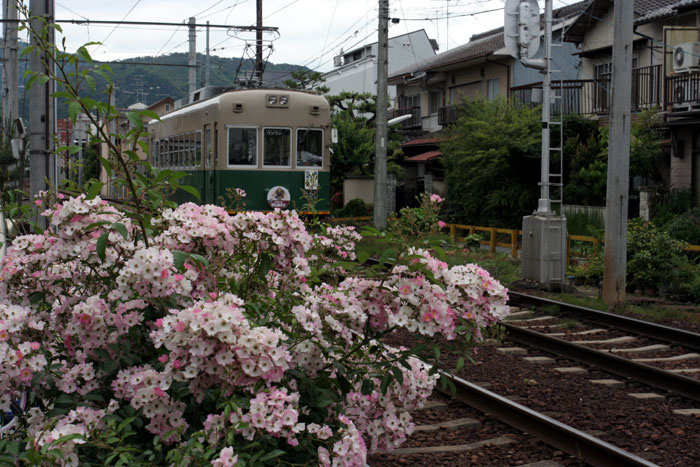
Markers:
{"x": 258, "y": 43}
{"x": 208, "y": 63}
{"x": 380, "y": 194}
{"x": 10, "y": 102}
{"x": 41, "y": 115}
{"x": 617, "y": 196}
{"x": 192, "y": 57}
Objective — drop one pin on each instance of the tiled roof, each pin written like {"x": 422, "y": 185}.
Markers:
{"x": 647, "y": 10}
{"x": 424, "y": 157}
{"x": 480, "y": 45}
{"x": 420, "y": 142}
{"x": 663, "y": 11}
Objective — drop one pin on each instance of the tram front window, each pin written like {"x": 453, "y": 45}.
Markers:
{"x": 309, "y": 147}
{"x": 277, "y": 146}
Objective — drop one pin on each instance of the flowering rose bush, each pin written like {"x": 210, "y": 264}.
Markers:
{"x": 226, "y": 339}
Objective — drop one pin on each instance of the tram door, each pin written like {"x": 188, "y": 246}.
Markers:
{"x": 209, "y": 180}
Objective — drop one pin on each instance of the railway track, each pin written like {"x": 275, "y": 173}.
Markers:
{"x": 623, "y": 346}
{"x": 586, "y": 416}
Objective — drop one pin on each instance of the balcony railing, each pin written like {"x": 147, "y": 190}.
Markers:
{"x": 447, "y": 115}
{"x": 593, "y": 96}
{"x": 683, "y": 91}
{"x": 412, "y": 123}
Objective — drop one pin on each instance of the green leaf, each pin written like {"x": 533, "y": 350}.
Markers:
{"x": 362, "y": 256}
{"x": 30, "y": 82}
{"x": 200, "y": 259}
{"x": 436, "y": 351}
{"x": 102, "y": 246}
{"x": 150, "y": 113}
{"x": 191, "y": 190}
{"x": 179, "y": 258}
{"x": 135, "y": 120}
{"x": 36, "y": 297}
{"x": 91, "y": 82}
{"x": 387, "y": 254}
{"x": 398, "y": 374}
{"x": 271, "y": 455}
{"x": 84, "y": 54}
{"x": 367, "y": 387}
{"x": 64, "y": 439}
{"x": 94, "y": 190}
{"x": 107, "y": 165}
{"x": 460, "y": 364}
{"x": 74, "y": 110}
{"x": 121, "y": 228}
{"x": 386, "y": 381}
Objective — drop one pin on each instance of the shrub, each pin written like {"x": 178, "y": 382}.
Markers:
{"x": 421, "y": 221}
{"x": 686, "y": 227}
{"x": 355, "y": 208}
{"x": 652, "y": 255}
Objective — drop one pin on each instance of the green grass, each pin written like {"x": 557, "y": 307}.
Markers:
{"x": 650, "y": 311}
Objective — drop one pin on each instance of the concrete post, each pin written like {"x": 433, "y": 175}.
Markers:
{"x": 192, "y": 61}
{"x": 41, "y": 115}
{"x": 380, "y": 188}
{"x": 617, "y": 198}
{"x": 10, "y": 107}
{"x": 646, "y": 202}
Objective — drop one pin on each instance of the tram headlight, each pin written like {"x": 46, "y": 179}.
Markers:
{"x": 284, "y": 100}
{"x": 271, "y": 100}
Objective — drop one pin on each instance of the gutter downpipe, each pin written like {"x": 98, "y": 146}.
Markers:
{"x": 486, "y": 58}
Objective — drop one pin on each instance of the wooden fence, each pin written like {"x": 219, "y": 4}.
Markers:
{"x": 514, "y": 244}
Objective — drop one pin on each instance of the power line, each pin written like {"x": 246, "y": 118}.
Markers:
{"x": 207, "y": 9}
{"x": 117, "y": 26}
{"x": 280, "y": 9}
{"x": 329, "y": 28}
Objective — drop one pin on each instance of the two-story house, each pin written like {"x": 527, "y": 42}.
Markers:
{"x": 665, "y": 75}
{"x": 480, "y": 69}
{"x": 356, "y": 70}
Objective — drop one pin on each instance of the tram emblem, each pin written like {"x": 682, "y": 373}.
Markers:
{"x": 278, "y": 197}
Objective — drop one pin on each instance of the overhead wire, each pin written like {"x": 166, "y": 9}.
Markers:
{"x": 329, "y": 26}
{"x": 117, "y": 26}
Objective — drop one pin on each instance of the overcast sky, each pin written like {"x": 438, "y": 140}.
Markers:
{"x": 311, "y": 32}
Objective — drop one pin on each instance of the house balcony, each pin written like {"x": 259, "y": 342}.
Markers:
{"x": 593, "y": 97}
{"x": 413, "y": 123}
{"x": 683, "y": 91}
{"x": 447, "y": 115}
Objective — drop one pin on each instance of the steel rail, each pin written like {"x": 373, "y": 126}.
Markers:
{"x": 656, "y": 377}
{"x": 574, "y": 442}
{"x": 657, "y": 331}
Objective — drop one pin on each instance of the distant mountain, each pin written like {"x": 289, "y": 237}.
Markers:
{"x": 150, "y": 79}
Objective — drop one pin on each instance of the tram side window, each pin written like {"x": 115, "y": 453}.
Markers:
{"x": 309, "y": 147}
{"x": 197, "y": 150}
{"x": 242, "y": 146}
{"x": 207, "y": 148}
{"x": 277, "y": 146}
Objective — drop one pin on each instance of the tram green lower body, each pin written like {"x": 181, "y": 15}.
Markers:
{"x": 212, "y": 186}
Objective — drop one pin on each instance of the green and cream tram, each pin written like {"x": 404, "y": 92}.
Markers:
{"x": 272, "y": 143}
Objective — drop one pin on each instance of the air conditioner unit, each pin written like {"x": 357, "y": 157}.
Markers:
{"x": 686, "y": 56}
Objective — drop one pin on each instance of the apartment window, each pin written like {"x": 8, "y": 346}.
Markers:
{"x": 408, "y": 102}
{"x": 492, "y": 89}
{"x": 469, "y": 92}
{"x": 435, "y": 100}
{"x": 277, "y": 146}
{"x": 242, "y": 146}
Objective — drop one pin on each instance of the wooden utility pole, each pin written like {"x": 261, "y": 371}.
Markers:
{"x": 614, "y": 276}
{"x": 259, "y": 43}
{"x": 10, "y": 101}
{"x": 192, "y": 62}
{"x": 41, "y": 116}
{"x": 380, "y": 194}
